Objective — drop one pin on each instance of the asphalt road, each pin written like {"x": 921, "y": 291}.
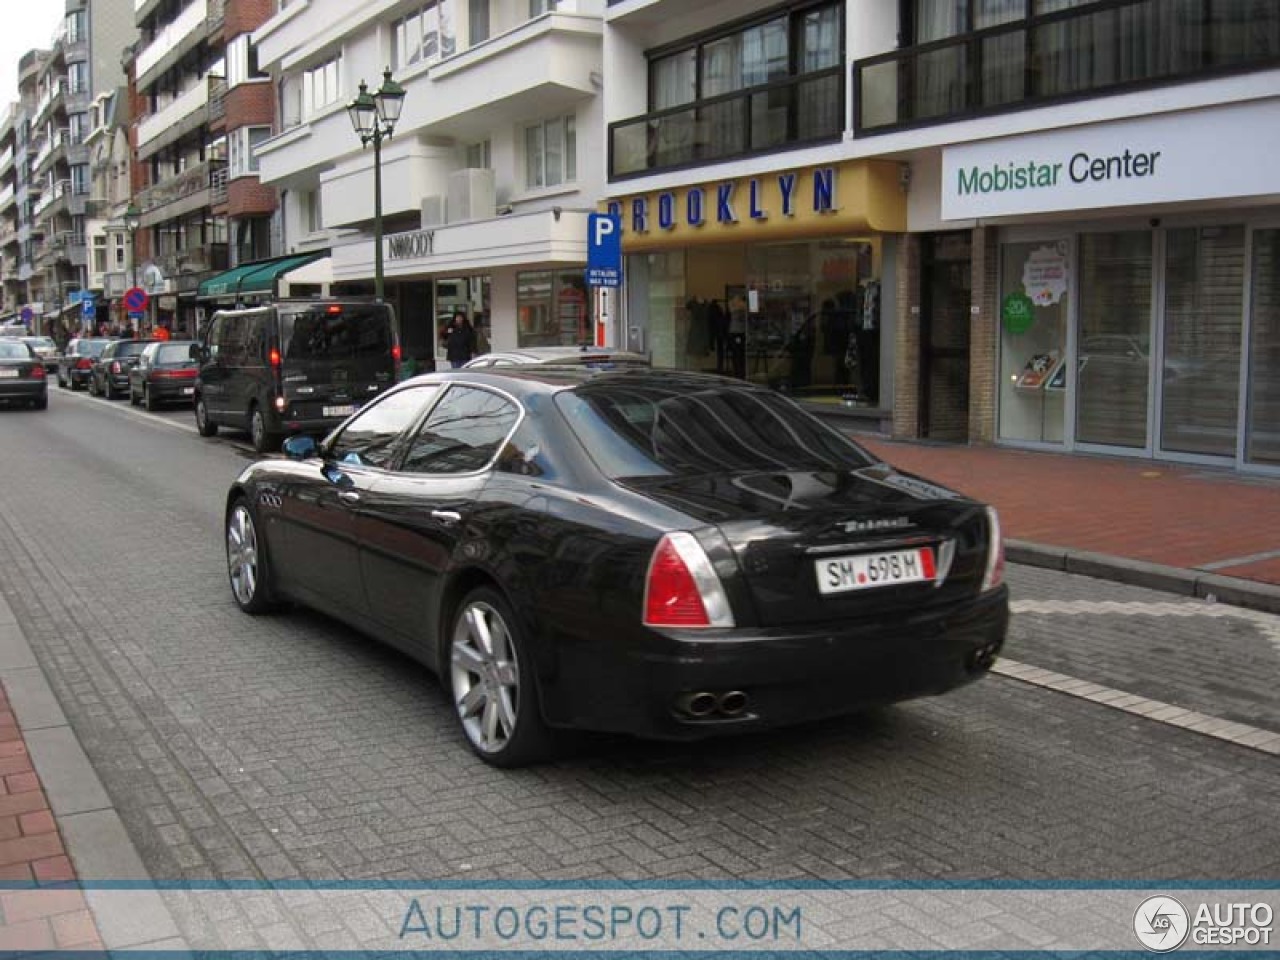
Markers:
{"x": 291, "y": 747}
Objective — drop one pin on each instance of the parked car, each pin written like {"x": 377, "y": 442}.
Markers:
{"x": 165, "y": 373}
{"x": 110, "y": 377}
{"x": 665, "y": 554}
{"x": 75, "y": 366}
{"x": 298, "y": 366}
{"x": 46, "y": 349}
{"x": 571, "y": 356}
{"x": 22, "y": 376}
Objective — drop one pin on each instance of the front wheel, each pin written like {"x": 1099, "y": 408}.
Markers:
{"x": 247, "y": 561}
{"x": 204, "y": 426}
{"x": 491, "y": 677}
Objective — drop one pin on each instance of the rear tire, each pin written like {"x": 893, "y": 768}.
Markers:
{"x": 204, "y": 426}
{"x": 148, "y": 401}
{"x": 42, "y": 403}
{"x": 263, "y": 440}
{"x": 107, "y": 390}
{"x": 490, "y": 674}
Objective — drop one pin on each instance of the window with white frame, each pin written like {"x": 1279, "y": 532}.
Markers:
{"x": 100, "y": 253}
{"x": 538, "y": 7}
{"x": 479, "y": 155}
{"x": 551, "y": 153}
{"x": 424, "y": 34}
{"x": 309, "y": 209}
{"x": 241, "y": 145}
{"x": 242, "y": 61}
{"x": 321, "y": 86}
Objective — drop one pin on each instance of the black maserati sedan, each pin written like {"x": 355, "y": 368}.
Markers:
{"x": 664, "y": 554}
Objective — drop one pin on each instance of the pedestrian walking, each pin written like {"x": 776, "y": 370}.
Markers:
{"x": 459, "y": 341}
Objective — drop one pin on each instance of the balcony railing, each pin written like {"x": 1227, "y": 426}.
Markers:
{"x": 218, "y": 186}
{"x": 1104, "y": 47}
{"x": 178, "y": 188}
{"x": 174, "y": 35}
{"x": 800, "y": 110}
{"x": 152, "y": 127}
{"x": 217, "y": 98}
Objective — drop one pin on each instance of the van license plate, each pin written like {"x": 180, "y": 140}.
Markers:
{"x": 343, "y": 411}
{"x": 866, "y": 570}
{"x": 188, "y": 391}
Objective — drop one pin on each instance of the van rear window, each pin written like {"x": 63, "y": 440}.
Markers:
{"x": 323, "y": 334}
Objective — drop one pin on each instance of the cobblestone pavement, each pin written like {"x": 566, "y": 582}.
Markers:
{"x": 290, "y": 747}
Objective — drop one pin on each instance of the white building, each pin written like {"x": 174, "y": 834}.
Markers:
{"x": 494, "y": 165}
{"x": 1048, "y": 223}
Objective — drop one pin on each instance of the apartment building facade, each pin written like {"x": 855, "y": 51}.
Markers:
{"x": 21, "y": 236}
{"x": 1071, "y": 230}
{"x": 201, "y": 105}
{"x": 494, "y": 165}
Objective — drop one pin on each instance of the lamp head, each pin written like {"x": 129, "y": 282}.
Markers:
{"x": 132, "y": 218}
{"x": 390, "y": 101}
{"x": 364, "y": 113}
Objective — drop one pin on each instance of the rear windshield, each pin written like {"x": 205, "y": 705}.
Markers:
{"x": 132, "y": 349}
{"x": 320, "y": 333}
{"x": 642, "y": 430}
{"x": 90, "y": 348}
{"x": 173, "y": 353}
{"x": 14, "y": 351}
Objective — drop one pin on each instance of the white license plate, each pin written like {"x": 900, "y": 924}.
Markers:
{"x": 8, "y": 374}
{"x": 343, "y": 411}
{"x": 188, "y": 391}
{"x": 864, "y": 571}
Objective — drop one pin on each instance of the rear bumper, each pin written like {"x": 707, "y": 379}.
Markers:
{"x": 23, "y": 389}
{"x": 787, "y": 676}
{"x": 171, "y": 391}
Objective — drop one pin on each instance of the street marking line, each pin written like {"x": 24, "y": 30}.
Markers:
{"x": 1228, "y": 731}
{"x": 1268, "y": 623}
{"x": 126, "y": 408}
{"x": 1240, "y": 561}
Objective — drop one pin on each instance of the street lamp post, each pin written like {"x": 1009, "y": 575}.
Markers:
{"x": 374, "y": 117}
{"x": 132, "y": 220}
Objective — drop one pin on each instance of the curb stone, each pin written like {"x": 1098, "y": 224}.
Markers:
{"x": 1236, "y": 591}
{"x": 92, "y": 831}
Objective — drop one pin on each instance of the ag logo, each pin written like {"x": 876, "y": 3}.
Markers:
{"x": 1161, "y": 924}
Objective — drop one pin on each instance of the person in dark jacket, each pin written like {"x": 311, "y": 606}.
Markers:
{"x": 459, "y": 341}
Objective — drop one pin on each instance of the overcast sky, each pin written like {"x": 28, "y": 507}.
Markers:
{"x": 24, "y": 25}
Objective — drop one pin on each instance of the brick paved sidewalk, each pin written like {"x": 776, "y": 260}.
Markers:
{"x": 32, "y": 854}
{"x": 1197, "y": 518}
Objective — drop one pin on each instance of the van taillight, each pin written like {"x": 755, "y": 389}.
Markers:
{"x": 274, "y": 356}
{"x": 682, "y": 589}
{"x": 395, "y": 353}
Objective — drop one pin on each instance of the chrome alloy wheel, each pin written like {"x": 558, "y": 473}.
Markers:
{"x": 242, "y": 555}
{"x": 486, "y": 677}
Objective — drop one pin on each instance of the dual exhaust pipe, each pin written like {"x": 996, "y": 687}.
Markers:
{"x": 704, "y": 704}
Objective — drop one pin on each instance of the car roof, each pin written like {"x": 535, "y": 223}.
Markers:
{"x": 562, "y": 354}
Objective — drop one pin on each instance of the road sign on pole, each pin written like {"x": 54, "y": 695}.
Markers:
{"x": 135, "y": 299}
{"x": 88, "y": 309}
{"x": 604, "y": 250}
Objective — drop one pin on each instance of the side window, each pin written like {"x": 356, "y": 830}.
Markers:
{"x": 253, "y": 338}
{"x": 369, "y": 440}
{"x": 231, "y": 340}
{"x": 463, "y": 432}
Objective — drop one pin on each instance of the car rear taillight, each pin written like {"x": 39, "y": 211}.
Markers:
{"x": 682, "y": 589}
{"x": 274, "y": 357}
{"x": 115, "y": 366}
{"x": 993, "y": 576}
{"x": 37, "y": 371}
{"x": 84, "y": 363}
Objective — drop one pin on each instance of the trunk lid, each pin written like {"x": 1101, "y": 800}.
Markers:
{"x": 787, "y": 529}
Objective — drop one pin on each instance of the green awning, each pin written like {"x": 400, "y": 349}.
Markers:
{"x": 257, "y": 277}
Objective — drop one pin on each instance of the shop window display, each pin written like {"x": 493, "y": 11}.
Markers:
{"x": 552, "y": 309}
{"x": 1034, "y": 292}
{"x": 1264, "y": 352}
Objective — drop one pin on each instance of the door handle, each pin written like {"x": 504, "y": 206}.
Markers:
{"x": 448, "y": 517}
{"x": 349, "y": 496}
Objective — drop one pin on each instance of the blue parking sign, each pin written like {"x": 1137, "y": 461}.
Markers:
{"x": 604, "y": 250}
{"x": 88, "y": 309}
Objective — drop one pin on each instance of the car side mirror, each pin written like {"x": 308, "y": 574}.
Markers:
{"x": 300, "y": 447}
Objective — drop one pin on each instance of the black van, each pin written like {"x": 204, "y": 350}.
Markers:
{"x": 293, "y": 366}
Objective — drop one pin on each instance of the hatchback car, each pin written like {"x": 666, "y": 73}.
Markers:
{"x": 22, "y": 376}
{"x": 75, "y": 366}
{"x": 665, "y": 554}
{"x": 46, "y": 349}
{"x": 165, "y": 373}
{"x": 110, "y": 375}
{"x": 559, "y": 356}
